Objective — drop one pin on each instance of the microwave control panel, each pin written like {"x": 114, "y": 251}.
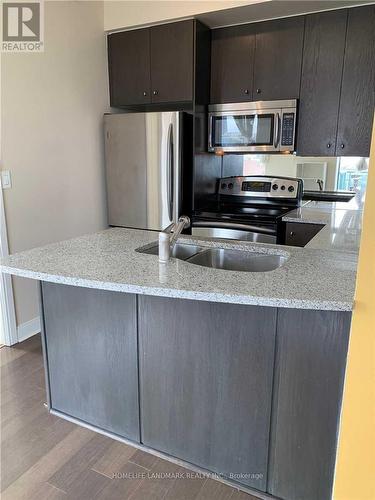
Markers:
{"x": 287, "y": 129}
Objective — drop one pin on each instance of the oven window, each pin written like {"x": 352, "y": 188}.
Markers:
{"x": 243, "y": 130}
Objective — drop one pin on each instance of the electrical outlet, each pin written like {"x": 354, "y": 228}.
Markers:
{"x": 6, "y": 180}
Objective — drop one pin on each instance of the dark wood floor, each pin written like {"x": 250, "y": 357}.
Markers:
{"x": 45, "y": 457}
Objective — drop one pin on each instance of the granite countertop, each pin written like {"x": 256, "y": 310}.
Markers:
{"x": 310, "y": 279}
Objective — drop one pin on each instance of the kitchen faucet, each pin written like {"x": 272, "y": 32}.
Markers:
{"x": 166, "y": 242}
{"x": 320, "y": 184}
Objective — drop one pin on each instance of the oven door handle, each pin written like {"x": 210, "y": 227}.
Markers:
{"x": 235, "y": 226}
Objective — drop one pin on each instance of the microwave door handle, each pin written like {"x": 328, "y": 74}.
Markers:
{"x": 210, "y": 130}
{"x": 170, "y": 172}
{"x": 235, "y": 226}
{"x": 277, "y": 131}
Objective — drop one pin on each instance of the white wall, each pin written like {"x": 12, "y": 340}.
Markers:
{"x": 123, "y": 14}
{"x": 52, "y": 107}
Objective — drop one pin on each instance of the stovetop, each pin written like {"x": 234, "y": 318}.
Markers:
{"x": 252, "y": 199}
{"x": 243, "y": 213}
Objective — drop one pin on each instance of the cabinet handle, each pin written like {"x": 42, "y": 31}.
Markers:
{"x": 342, "y": 146}
{"x": 259, "y": 91}
{"x": 155, "y": 92}
{"x": 145, "y": 93}
{"x": 329, "y": 145}
{"x": 246, "y": 91}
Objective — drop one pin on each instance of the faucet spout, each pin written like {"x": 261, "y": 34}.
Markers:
{"x": 169, "y": 236}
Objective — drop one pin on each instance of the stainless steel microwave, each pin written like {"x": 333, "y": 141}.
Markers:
{"x": 252, "y": 127}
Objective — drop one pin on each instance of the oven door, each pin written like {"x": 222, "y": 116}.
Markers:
{"x": 244, "y": 131}
{"x": 235, "y": 231}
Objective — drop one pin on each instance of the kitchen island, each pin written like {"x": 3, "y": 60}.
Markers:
{"x": 235, "y": 373}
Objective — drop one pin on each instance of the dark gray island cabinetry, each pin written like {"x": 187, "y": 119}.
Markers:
{"x": 206, "y": 383}
{"x": 311, "y": 351}
{"x": 91, "y": 344}
{"x": 251, "y": 393}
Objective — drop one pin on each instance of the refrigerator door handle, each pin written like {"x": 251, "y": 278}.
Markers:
{"x": 170, "y": 172}
{"x": 177, "y": 166}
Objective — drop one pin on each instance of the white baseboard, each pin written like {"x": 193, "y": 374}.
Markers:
{"x": 28, "y": 329}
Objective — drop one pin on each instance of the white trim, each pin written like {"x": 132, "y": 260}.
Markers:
{"x": 7, "y": 310}
{"x": 28, "y": 329}
{"x": 8, "y": 315}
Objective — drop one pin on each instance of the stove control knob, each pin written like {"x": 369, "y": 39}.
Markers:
{"x": 291, "y": 189}
{"x": 223, "y": 186}
{"x": 282, "y": 188}
{"x": 275, "y": 187}
{"x": 230, "y": 185}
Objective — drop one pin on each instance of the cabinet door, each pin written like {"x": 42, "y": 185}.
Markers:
{"x": 206, "y": 384}
{"x": 298, "y": 234}
{"x": 91, "y": 344}
{"x": 278, "y": 56}
{"x": 172, "y": 60}
{"x": 320, "y": 84}
{"x": 129, "y": 67}
{"x": 232, "y": 64}
{"x": 358, "y": 84}
{"x": 309, "y": 377}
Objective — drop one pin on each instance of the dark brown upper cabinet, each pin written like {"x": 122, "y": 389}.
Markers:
{"x": 172, "y": 60}
{"x": 159, "y": 64}
{"x": 278, "y": 59}
{"x": 358, "y": 84}
{"x": 129, "y": 67}
{"x": 260, "y": 61}
{"x": 322, "y": 66}
{"x": 232, "y": 64}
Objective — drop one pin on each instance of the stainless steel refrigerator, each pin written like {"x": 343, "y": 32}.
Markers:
{"x": 144, "y": 157}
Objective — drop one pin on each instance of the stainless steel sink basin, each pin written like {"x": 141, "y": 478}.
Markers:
{"x": 237, "y": 260}
{"x": 221, "y": 258}
{"x": 180, "y": 250}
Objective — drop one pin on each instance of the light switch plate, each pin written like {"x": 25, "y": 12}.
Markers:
{"x": 6, "y": 180}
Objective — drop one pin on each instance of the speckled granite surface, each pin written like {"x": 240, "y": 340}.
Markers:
{"x": 342, "y": 224}
{"x": 310, "y": 279}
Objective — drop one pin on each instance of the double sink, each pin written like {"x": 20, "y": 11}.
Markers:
{"x": 221, "y": 258}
